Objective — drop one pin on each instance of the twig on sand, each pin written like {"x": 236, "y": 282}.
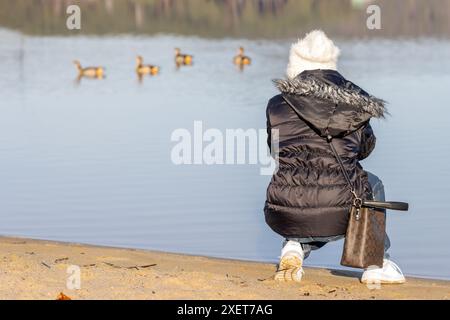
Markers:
{"x": 46, "y": 265}
{"x": 131, "y": 267}
{"x": 267, "y": 279}
{"x": 89, "y": 265}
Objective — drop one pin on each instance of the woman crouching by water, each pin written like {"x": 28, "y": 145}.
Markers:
{"x": 308, "y": 199}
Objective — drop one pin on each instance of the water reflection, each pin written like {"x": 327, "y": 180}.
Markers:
{"x": 229, "y": 18}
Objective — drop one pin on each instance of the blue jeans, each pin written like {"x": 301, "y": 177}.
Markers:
{"x": 315, "y": 243}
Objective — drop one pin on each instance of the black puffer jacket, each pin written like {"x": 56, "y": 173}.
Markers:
{"x": 308, "y": 195}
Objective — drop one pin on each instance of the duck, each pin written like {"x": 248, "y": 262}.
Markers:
{"x": 90, "y": 72}
{"x": 142, "y": 69}
{"x": 241, "y": 59}
{"x": 183, "y": 59}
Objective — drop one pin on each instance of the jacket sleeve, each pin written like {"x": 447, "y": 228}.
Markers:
{"x": 368, "y": 141}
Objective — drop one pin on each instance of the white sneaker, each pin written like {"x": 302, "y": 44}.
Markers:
{"x": 389, "y": 274}
{"x": 291, "y": 261}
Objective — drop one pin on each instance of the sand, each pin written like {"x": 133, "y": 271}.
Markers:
{"x": 32, "y": 269}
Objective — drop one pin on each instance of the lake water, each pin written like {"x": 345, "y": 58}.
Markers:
{"x": 90, "y": 162}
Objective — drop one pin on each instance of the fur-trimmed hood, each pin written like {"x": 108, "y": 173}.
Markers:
{"x": 315, "y": 93}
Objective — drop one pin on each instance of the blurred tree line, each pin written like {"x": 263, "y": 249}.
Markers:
{"x": 229, "y": 18}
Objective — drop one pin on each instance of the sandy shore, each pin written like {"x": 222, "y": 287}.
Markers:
{"x": 31, "y": 269}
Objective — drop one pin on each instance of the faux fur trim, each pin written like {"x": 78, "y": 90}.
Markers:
{"x": 311, "y": 87}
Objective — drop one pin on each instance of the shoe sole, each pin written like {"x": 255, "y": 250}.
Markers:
{"x": 289, "y": 269}
{"x": 289, "y": 275}
{"x": 384, "y": 282}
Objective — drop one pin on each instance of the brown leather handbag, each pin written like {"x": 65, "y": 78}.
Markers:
{"x": 366, "y": 230}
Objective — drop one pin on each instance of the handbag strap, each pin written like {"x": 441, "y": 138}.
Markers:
{"x": 357, "y": 201}
{"x": 397, "y": 206}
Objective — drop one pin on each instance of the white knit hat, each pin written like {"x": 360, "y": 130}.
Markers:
{"x": 314, "y": 51}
